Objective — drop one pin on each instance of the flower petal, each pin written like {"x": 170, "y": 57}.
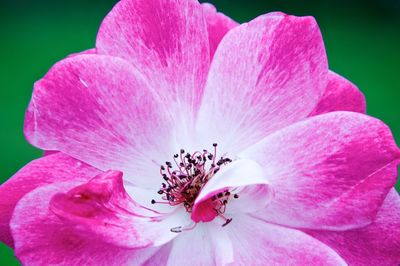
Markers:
{"x": 266, "y": 74}
{"x": 42, "y": 238}
{"x": 102, "y": 207}
{"x": 53, "y": 168}
{"x": 256, "y": 242}
{"x": 144, "y": 198}
{"x": 375, "y": 244}
{"x": 160, "y": 257}
{"x": 340, "y": 95}
{"x": 168, "y": 42}
{"x": 326, "y": 171}
{"x": 206, "y": 244}
{"x": 99, "y": 110}
{"x": 47, "y": 153}
{"x": 88, "y": 217}
{"x": 242, "y": 177}
{"x": 218, "y": 25}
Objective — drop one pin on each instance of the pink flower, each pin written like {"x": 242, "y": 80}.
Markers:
{"x": 236, "y": 148}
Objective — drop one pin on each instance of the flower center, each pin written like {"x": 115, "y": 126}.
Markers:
{"x": 186, "y": 176}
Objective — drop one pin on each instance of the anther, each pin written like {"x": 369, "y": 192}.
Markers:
{"x": 227, "y": 222}
{"x": 180, "y": 229}
{"x": 177, "y": 229}
{"x": 184, "y": 183}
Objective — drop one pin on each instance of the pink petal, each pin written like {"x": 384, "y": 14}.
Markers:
{"x": 99, "y": 110}
{"x": 332, "y": 171}
{"x": 42, "y": 238}
{"x": 242, "y": 177}
{"x": 168, "y": 42}
{"x": 103, "y": 208}
{"x": 53, "y": 168}
{"x": 47, "y": 153}
{"x": 340, "y": 95}
{"x": 376, "y": 244}
{"x": 218, "y": 25}
{"x": 256, "y": 242}
{"x": 160, "y": 257}
{"x": 266, "y": 74}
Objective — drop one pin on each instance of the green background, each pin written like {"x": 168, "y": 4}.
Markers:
{"x": 362, "y": 40}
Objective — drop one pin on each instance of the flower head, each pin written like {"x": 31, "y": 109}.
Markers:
{"x": 185, "y": 138}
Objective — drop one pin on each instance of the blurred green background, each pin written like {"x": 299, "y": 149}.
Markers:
{"x": 362, "y": 40}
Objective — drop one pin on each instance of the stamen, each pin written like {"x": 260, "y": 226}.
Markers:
{"x": 177, "y": 229}
{"x": 227, "y": 220}
{"x": 180, "y": 229}
{"x": 184, "y": 183}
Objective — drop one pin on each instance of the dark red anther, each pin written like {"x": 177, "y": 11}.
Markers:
{"x": 192, "y": 173}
